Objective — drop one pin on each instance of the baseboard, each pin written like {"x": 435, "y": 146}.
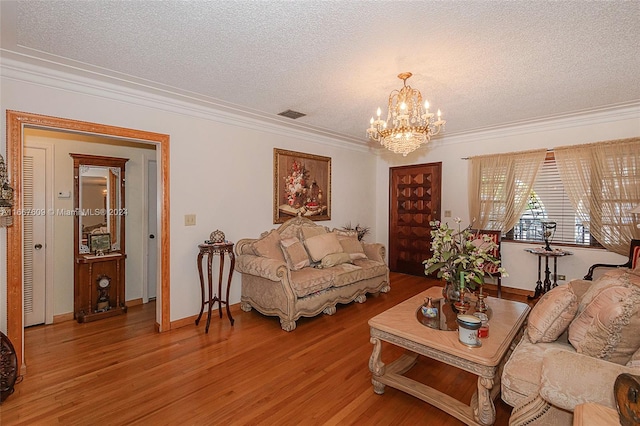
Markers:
{"x": 63, "y": 317}
{"x": 134, "y": 302}
{"x": 510, "y": 290}
{"x": 183, "y": 322}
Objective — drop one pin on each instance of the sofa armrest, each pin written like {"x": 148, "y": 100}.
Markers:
{"x": 264, "y": 267}
{"x": 569, "y": 379}
{"x": 374, "y": 251}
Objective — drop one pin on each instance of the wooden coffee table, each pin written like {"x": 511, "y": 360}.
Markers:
{"x": 400, "y": 327}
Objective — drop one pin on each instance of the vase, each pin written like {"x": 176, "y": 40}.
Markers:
{"x": 451, "y": 291}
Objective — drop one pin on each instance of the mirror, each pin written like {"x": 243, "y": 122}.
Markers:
{"x": 99, "y": 206}
{"x": 99, "y": 203}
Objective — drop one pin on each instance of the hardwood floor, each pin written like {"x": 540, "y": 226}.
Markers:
{"x": 119, "y": 371}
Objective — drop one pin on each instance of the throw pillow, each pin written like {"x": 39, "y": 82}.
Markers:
{"x": 269, "y": 246}
{"x": 311, "y": 231}
{"x": 346, "y": 232}
{"x": 608, "y": 279}
{"x": 322, "y": 245}
{"x": 335, "y": 259}
{"x": 553, "y": 313}
{"x": 608, "y": 326}
{"x": 294, "y": 253}
{"x": 352, "y": 246}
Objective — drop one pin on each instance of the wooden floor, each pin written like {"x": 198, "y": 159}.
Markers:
{"x": 118, "y": 371}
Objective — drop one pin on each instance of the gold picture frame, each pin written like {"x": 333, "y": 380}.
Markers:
{"x": 301, "y": 186}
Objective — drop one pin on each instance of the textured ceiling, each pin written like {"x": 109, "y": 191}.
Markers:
{"x": 483, "y": 64}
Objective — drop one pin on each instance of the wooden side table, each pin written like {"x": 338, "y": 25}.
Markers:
{"x": 555, "y": 254}
{"x": 211, "y": 250}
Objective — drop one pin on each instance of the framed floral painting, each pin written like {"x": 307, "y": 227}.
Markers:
{"x": 301, "y": 186}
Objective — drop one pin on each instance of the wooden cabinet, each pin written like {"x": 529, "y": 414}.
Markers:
{"x": 99, "y": 246}
{"x": 99, "y": 286}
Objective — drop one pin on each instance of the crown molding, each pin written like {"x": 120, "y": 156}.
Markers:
{"x": 48, "y": 73}
{"x": 605, "y": 114}
{"x": 97, "y": 82}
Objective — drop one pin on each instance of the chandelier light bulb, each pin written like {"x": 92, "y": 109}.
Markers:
{"x": 371, "y": 121}
{"x": 426, "y": 105}
{"x": 379, "y": 112}
{"x": 403, "y": 106}
{"x": 439, "y": 114}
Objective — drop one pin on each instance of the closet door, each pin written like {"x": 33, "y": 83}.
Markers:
{"x": 34, "y": 220}
{"x": 414, "y": 201}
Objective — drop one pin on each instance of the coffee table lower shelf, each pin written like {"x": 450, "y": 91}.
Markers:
{"x": 392, "y": 375}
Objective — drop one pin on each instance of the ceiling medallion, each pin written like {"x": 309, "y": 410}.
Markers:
{"x": 409, "y": 123}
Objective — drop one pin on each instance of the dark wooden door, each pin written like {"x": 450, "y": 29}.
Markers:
{"x": 414, "y": 201}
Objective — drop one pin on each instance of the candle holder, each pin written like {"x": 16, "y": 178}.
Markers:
{"x": 481, "y": 306}
{"x": 462, "y": 306}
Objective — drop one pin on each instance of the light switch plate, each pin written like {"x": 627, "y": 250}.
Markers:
{"x": 447, "y": 213}
{"x": 189, "y": 220}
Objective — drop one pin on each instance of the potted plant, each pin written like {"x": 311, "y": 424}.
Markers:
{"x": 460, "y": 258}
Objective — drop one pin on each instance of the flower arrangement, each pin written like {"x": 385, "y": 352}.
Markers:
{"x": 461, "y": 256}
{"x": 295, "y": 184}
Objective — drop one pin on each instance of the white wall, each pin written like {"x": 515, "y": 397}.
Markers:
{"x": 62, "y": 144}
{"x": 221, "y": 166}
{"x": 450, "y": 150}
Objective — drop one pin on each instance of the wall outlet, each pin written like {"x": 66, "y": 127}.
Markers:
{"x": 447, "y": 213}
{"x": 189, "y": 220}
{"x": 561, "y": 277}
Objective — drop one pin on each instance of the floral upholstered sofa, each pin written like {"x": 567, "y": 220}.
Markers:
{"x": 303, "y": 269}
{"x": 579, "y": 338}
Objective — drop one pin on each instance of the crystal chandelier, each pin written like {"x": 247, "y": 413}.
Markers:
{"x": 411, "y": 122}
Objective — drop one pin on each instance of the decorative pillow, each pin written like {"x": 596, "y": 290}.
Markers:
{"x": 269, "y": 246}
{"x": 352, "y": 246}
{"x": 346, "y": 232}
{"x": 335, "y": 259}
{"x": 553, "y": 313}
{"x": 608, "y": 279}
{"x": 322, "y": 245}
{"x": 311, "y": 231}
{"x": 608, "y": 326}
{"x": 294, "y": 253}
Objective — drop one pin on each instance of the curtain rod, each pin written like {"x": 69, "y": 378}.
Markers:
{"x": 468, "y": 158}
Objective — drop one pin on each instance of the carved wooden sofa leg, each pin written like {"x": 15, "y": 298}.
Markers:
{"x": 386, "y": 288}
{"x": 245, "y": 306}
{"x": 361, "y": 299}
{"x": 330, "y": 310}
{"x": 287, "y": 325}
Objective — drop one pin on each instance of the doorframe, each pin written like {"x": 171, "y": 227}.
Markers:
{"x": 15, "y": 122}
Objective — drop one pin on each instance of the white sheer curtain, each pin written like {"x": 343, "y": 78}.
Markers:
{"x": 603, "y": 184}
{"x": 499, "y": 187}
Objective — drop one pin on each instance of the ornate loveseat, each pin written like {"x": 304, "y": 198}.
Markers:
{"x": 302, "y": 269}
{"x": 579, "y": 338}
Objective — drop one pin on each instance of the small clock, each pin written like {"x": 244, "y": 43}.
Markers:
{"x": 104, "y": 284}
{"x": 104, "y": 281}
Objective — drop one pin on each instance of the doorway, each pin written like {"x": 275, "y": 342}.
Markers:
{"x": 414, "y": 201}
{"x": 16, "y": 121}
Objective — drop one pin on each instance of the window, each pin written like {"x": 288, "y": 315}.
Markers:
{"x": 548, "y": 202}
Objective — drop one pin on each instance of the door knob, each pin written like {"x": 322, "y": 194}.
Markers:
{"x": 37, "y": 246}
{"x": 152, "y": 236}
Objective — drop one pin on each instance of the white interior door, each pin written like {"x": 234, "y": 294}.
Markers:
{"x": 34, "y": 219}
{"x": 152, "y": 230}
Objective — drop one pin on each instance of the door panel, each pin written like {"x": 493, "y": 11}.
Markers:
{"x": 34, "y": 198}
{"x": 152, "y": 237}
{"x": 414, "y": 201}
